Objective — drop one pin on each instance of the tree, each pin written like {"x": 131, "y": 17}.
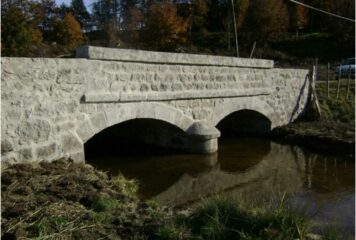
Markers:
{"x": 343, "y": 31}
{"x": 106, "y": 14}
{"x": 20, "y": 34}
{"x": 199, "y": 14}
{"x": 51, "y": 13}
{"x": 63, "y": 10}
{"x": 299, "y": 17}
{"x": 134, "y": 24}
{"x": 105, "y": 11}
{"x": 68, "y": 32}
{"x": 128, "y": 10}
{"x": 218, "y": 15}
{"x": 80, "y": 13}
{"x": 266, "y": 20}
{"x": 241, "y": 8}
{"x": 163, "y": 28}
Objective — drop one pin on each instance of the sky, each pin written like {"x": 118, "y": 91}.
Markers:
{"x": 86, "y": 2}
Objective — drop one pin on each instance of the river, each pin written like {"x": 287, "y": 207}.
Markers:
{"x": 255, "y": 168}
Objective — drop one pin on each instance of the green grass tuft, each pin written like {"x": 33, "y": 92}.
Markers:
{"x": 223, "y": 218}
{"x": 127, "y": 187}
{"x": 102, "y": 204}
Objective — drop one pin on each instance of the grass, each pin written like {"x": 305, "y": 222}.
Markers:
{"x": 337, "y": 108}
{"x": 127, "y": 187}
{"x": 334, "y": 130}
{"x": 102, "y": 204}
{"x": 74, "y": 200}
{"x": 225, "y": 218}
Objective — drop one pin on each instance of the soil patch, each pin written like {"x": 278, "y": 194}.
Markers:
{"x": 64, "y": 200}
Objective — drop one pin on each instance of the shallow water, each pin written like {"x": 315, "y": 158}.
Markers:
{"x": 253, "y": 167}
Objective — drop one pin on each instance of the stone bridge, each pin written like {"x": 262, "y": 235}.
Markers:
{"x": 52, "y": 107}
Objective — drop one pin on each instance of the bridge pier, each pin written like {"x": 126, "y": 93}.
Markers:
{"x": 203, "y": 138}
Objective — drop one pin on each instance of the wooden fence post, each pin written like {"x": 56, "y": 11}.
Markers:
{"x": 338, "y": 83}
{"x": 314, "y": 97}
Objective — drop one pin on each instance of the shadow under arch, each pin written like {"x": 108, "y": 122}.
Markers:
{"x": 244, "y": 122}
{"x": 147, "y": 150}
{"x": 139, "y": 136}
{"x": 238, "y": 133}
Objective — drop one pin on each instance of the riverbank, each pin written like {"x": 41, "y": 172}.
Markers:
{"x": 334, "y": 131}
{"x": 323, "y": 136}
{"x": 63, "y": 200}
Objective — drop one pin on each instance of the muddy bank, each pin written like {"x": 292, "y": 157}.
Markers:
{"x": 63, "y": 200}
{"x": 324, "y": 135}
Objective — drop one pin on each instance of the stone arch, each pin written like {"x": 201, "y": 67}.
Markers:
{"x": 238, "y": 104}
{"x": 95, "y": 123}
{"x": 116, "y": 115}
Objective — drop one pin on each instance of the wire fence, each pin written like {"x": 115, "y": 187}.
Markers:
{"x": 338, "y": 78}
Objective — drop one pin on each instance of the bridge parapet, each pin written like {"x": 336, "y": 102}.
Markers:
{"x": 129, "y": 55}
{"x": 51, "y": 107}
{"x": 134, "y": 76}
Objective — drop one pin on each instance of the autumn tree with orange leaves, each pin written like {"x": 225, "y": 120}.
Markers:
{"x": 266, "y": 20}
{"x": 68, "y": 32}
{"x": 134, "y": 24}
{"x": 299, "y": 18}
{"x": 163, "y": 28}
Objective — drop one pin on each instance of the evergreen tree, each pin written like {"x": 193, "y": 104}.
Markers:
{"x": 51, "y": 13}
{"x": 106, "y": 11}
{"x": 80, "y": 13}
{"x": 20, "y": 34}
{"x": 218, "y": 15}
{"x": 106, "y": 14}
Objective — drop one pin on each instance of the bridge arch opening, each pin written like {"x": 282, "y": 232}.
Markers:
{"x": 244, "y": 123}
{"x": 239, "y": 131}
{"x": 149, "y": 150}
{"x": 141, "y": 136}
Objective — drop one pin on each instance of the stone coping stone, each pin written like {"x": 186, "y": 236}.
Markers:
{"x": 130, "y": 55}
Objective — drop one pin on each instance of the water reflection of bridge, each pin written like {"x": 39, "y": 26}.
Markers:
{"x": 270, "y": 169}
{"x": 282, "y": 168}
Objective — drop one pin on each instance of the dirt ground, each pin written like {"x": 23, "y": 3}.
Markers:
{"x": 63, "y": 200}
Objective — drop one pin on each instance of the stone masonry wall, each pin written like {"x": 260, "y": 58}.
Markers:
{"x": 51, "y": 107}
